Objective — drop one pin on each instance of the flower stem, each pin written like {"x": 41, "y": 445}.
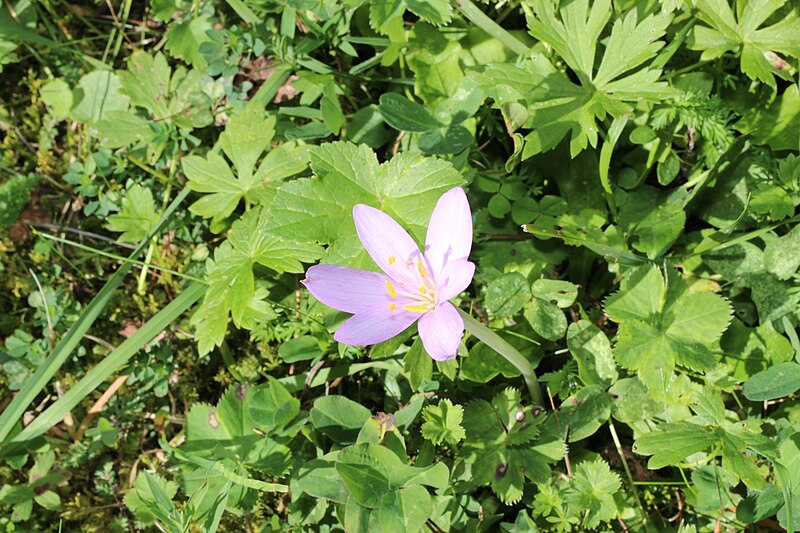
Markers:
{"x": 479, "y": 18}
{"x": 511, "y": 354}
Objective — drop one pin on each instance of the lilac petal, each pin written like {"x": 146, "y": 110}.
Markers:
{"x": 374, "y": 325}
{"x": 454, "y": 278}
{"x": 441, "y": 331}
{"x": 347, "y": 289}
{"x": 389, "y": 245}
{"x": 449, "y": 234}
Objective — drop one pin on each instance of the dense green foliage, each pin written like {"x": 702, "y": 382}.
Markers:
{"x": 170, "y": 168}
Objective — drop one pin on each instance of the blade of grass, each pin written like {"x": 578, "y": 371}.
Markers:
{"x": 112, "y": 362}
{"x": 34, "y": 384}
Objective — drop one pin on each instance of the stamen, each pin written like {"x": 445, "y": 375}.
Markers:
{"x": 392, "y": 307}
{"x": 392, "y": 259}
{"x": 416, "y": 308}
{"x": 422, "y": 289}
{"x": 390, "y": 288}
{"x": 422, "y": 271}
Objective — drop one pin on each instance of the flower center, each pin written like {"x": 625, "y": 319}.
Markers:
{"x": 423, "y": 296}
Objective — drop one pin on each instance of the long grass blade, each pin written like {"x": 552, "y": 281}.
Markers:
{"x": 34, "y": 384}
{"x": 107, "y": 366}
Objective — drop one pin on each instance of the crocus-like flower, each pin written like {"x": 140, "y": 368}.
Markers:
{"x": 415, "y": 287}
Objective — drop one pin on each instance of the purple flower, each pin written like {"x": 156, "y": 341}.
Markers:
{"x": 415, "y": 287}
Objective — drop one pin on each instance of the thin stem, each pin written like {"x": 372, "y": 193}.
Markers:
{"x": 634, "y": 490}
{"x": 498, "y": 344}
{"x": 479, "y": 18}
{"x": 115, "y": 256}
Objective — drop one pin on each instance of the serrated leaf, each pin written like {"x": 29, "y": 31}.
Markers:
{"x": 436, "y": 12}
{"x": 592, "y": 491}
{"x": 558, "y": 106}
{"x": 662, "y": 324}
{"x": 245, "y": 138}
{"x": 137, "y": 216}
{"x": 247, "y": 135}
{"x": 320, "y": 208}
{"x": 500, "y": 443}
{"x": 726, "y": 33}
{"x": 185, "y": 38}
{"x": 672, "y": 443}
{"x": 233, "y": 291}
{"x": 443, "y": 423}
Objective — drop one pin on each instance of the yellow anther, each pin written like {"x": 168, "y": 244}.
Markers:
{"x": 392, "y": 260}
{"x": 416, "y": 308}
{"x": 422, "y": 289}
{"x": 392, "y": 307}
{"x": 390, "y": 288}
{"x": 422, "y": 271}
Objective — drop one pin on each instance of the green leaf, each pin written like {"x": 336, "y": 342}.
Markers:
{"x": 782, "y": 255}
{"x": 593, "y": 491}
{"x": 320, "y": 208}
{"x": 501, "y": 444}
{"x": 371, "y": 471}
{"x": 339, "y": 418}
{"x": 271, "y": 405}
{"x": 726, "y": 33}
{"x": 58, "y": 97}
{"x": 436, "y": 12}
{"x": 303, "y": 348}
{"x": 443, "y": 423}
{"x": 319, "y": 479}
{"x": 662, "y": 324}
{"x": 775, "y": 382}
{"x": 122, "y": 128}
{"x": 246, "y": 136}
{"x": 97, "y": 94}
{"x": 178, "y": 97}
{"x": 383, "y": 12}
{"x": 672, "y": 443}
{"x": 556, "y": 105}
{"x": 586, "y": 411}
{"x": 406, "y": 509}
{"x": 507, "y": 294}
{"x": 137, "y": 216}
{"x": 233, "y": 291}
{"x": 546, "y": 319}
{"x": 561, "y": 293}
{"x": 404, "y": 115}
{"x": 592, "y": 350}
{"x": 185, "y": 38}
{"x": 447, "y": 140}
{"x": 141, "y": 498}
{"x": 417, "y": 365}
{"x": 483, "y": 364}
